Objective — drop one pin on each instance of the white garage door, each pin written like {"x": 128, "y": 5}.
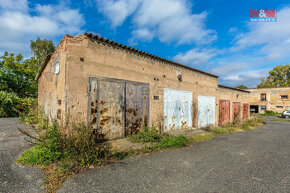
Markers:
{"x": 177, "y": 109}
{"x": 206, "y": 111}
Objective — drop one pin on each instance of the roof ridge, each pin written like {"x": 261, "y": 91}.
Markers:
{"x": 107, "y": 41}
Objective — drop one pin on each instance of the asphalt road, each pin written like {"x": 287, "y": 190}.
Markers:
{"x": 13, "y": 177}
{"x": 252, "y": 161}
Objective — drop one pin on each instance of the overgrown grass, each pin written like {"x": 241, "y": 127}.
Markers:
{"x": 146, "y": 135}
{"x": 270, "y": 113}
{"x": 171, "y": 142}
{"x": 279, "y": 120}
{"x": 202, "y": 137}
{"x": 240, "y": 126}
{"x": 63, "y": 153}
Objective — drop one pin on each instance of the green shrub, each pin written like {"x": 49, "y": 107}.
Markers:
{"x": 11, "y": 105}
{"x": 82, "y": 145}
{"x": 8, "y": 103}
{"x": 146, "y": 135}
{"x": 172, "y": 141}
{"x": 37, "y": 155}
{"x": 53, "y": 144}
{"x": 46, "y": 149}
{"x": 270, "y": 113}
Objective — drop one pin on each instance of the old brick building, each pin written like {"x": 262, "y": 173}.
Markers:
{"x": 118, "y": 89}
{"x": 274, "y": 99}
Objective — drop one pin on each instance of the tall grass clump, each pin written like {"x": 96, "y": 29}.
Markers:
{"x": 147, "y": 134}
{"x": 54, "y": 143}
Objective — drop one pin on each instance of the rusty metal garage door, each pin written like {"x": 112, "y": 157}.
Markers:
{"x": 177, "y": 109}
{"x": 137, "y": 106}
{"x": 224, "y": 111}
{"x": 206, "y": 111}
{"x": 245, "y": 111}
{"x": 109, "y": 99}
{"x": 111, "y": 108}
{"x": 236, "y": 111}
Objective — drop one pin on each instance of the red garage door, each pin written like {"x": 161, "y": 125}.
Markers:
{"x": 245, "y": 111}
{"x": 224, "y": 111}
{"x": 236, "y": 111}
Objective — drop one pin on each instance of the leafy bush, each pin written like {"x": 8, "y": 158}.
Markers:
{"x": 83, "y": 146}
{"x": 170, "y": 141}
{"x": 8, "y": 103}
{"x": 11, "y": 105}
{"x": 46, "y": 149}
{"x": 53, "y": 144}
{"x": 270, "y": 113}
{"x": 25, "y": 105}
{"x": 146, "y": 135}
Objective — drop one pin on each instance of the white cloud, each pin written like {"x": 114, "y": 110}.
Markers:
{"x": 233, "y": 78}
{"x": 19, "y": 26}
{"x": 196, "y": 56}
{"x": 272, "y": 36}
{"x": 144, "y": 34}
{"x": 117, "y": 11}
{"x": 233, "y": 30}
{"x": 20, "y": 5}
{"x": 230, "y": 68}
{"x": 168, "y": 20}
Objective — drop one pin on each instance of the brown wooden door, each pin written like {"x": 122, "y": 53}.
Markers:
{"x": 224, "y": 111}
{"x": 245, "y": 111}
{"x": 236, "y": 111}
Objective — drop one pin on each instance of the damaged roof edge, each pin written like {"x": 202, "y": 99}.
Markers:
{"x": 106, "y": 41}
{"x": 228, "y": 87}
{"x": 130, "y": 49}
{"x": 42, "y": 67}
{"x": 286, "y": 87}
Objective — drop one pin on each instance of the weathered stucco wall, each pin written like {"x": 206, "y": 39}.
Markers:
{"x": 273, "y": 98}
{"x": 66, "y": 96}
{"x": 233, "y": 96}
{"x": 51, "y": 86}
{"x": 86, "y": 58}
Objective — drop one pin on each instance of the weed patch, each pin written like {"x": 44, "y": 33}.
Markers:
{"x": 270, "y": 113}
{"x": 202, "y": 137}
{"x": 234, "y": 127}
{"x": 146, "y": 135}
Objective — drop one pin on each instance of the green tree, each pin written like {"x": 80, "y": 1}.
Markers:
{"x": 17, "y": 75}
{"x": 278, "y": 77}
{"x": 241, "y": 86}
{"x": 41, "y": 48}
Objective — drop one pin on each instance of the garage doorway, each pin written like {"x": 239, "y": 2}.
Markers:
{"x": 177, "y": 109}
{"x": 206, "y": 111}
{"x": 245, "y": 111}
{"x": 117, "y": 108}
{"x": 254, "y": 108}
{"x": 236, "y": 112}
{"x": 224, "y": 111}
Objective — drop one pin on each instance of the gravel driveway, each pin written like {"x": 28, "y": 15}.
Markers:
{"x": 252, "y": 161}
{"x": 14, "y": 177}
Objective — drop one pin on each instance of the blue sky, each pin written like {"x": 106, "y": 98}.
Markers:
{"x": 211, "y": 35}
